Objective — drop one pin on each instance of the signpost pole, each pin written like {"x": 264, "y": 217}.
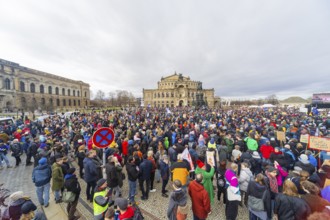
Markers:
{"x": 103, "y": 168}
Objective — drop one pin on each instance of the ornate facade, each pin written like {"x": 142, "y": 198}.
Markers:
{"x": 177, "y": 90}
{"x": 26, "y": 89}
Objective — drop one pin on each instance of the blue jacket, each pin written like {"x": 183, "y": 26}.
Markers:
{"x": 41, "y": 175}
{"x": 91, "y": 171}
{"x": 145, "y": 169}
{"x": 164, "y": 170}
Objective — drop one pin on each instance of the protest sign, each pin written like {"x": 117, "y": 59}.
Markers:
{"x": 319, "y": 143}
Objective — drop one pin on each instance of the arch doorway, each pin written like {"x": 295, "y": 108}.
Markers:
{"x": 9, "y": 106}
{"x": 180, "y": 103}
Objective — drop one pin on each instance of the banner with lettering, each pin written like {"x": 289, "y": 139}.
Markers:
{"x": 319, "y": 143}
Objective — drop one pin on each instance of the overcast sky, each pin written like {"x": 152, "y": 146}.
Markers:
{"x": 239, "y": 48}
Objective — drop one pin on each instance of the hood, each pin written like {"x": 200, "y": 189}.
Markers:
{"x": 180, "y": 197}
{"x": 68, "y": 176}
{"x": 197, "y": 187}
{"x": 42, "y": 167}
{"x": 248, "y": 171}
{"x": 18, "y": 202}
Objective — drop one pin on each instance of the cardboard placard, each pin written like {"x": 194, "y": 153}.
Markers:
{"x": 319, "y": 143}
{"x": 210, "y": 158}
{"x": 304, "y": 138}
{"x": 280, "y": 135}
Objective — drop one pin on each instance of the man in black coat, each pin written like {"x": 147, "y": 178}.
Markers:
{"x": 145, "y": 176}
{"x": 71, "y": 184}
{"x": 112, "y": 176}
{"x": 133, "y": 174}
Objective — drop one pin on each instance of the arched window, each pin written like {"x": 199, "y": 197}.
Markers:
{"x": 74, "y": 102}
{"x": 64, "y": 102}
{"x": 78, "y": 93}
{"x": 69, "y": 102}
{"x": 22, "y": 86}
{"x": 85, "y": 94}
{"x": 32, "y": 88}
{"x": 51, "y": 101}
{"x": 43, "y": 101}
{"x": 162, "y": 95}
{"x": 69, "y": 92}
{"x": 50, "y": 90}
{"x": 63, "y": 91}
{"x": 7, "y": 84}
{"x": 155, "y": 95}
{"x": 167, "y": 95}
{"x": 57, "y": 102}
{"x": 42, "y": 89}
{"x": 57, "y": 91}
{"x": 172, "y": 94}
{"x": 74, "y": 92}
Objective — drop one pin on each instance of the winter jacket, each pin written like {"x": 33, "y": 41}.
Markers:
{"x": 112, "y": 176}
{"x": 207, "y": 181}
{"x": 244, "y": 179}
{"x": 260, "y": 192}
{"x": 71, "y": 183}
{"x": 266, "y": 150}
{"x": 145, "y": 169}
{"x": 177, "y": 198}
{"x": 41, "y": 175}
{"x": 81, "y": 156}
{"x": 91, "y": 170}
{"x": 164, "y": 170}
{"x": 291, "y": 208}
{"x": 200, "y": 200}
{"x": 306, "y": 166}
{"x": 57, "y": 177}
{"x": 180, "y": 171}
{"x": 132, "y": 172}
{"x": 316, "y": 203}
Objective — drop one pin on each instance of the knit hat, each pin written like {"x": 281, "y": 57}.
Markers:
{"x": 256, "y": 155}
{"x": 27, "y": 207}
{"x": 271, "y": 169}
{"x": 200, "y": 164}
{"x": 100, "y": 182}
{"x": 42, "y": 161}
{"x": 121, "y": 203}
{"x": 71, "y": 170}
{"x": 304, "y": 158}
{"x": 16, "y": 196}
{"x": 212, "y": 140}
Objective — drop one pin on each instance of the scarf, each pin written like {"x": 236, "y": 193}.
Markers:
{"x": 272, "y": 183}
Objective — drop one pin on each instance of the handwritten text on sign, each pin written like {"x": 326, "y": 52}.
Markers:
{"x": 319, "y": 143}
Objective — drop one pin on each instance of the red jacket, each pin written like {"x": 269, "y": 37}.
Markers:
{"x": 128, "y": 214}
{"x": 200, "y": 200}
{"x": 266, "y": 151}
{"x": 124, "y": 148}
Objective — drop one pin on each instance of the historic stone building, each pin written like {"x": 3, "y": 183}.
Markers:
{"x": 178, "y": 90}
{"x": 26, "y": 89}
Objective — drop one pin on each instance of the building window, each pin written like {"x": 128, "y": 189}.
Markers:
{"x": 74, "y": 102}
{"x": 74, "y": 92}
{"x": 64, "y": 102}
{"x": 63, "y": 91}
{"x": 69, "y": 102}
{"x": 43, "y": 102}
{"x": 22, "y": 86}
{"x": 32, "y": 88}
{"x": 50, "y": 90}
{"x": 7, "y": 84}
{"x": 85, "y": 94}
{"x": 78, "y": 102}
{"x": 172, "y": 94}
{"x": 42, "y": 89}
{"x": 57, "y": 102}
{"x": 69, "y": 92}
{"x": 78, "y": 93}
{"x": 51, "y": 101}
{"x": 57, "y": 91}
{"x": 158, "y": 95}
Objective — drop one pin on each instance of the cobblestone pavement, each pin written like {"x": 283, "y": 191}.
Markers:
{"x": 154, "y": 208}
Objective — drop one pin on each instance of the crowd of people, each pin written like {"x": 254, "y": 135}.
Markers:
{"x": 195, "y": 153}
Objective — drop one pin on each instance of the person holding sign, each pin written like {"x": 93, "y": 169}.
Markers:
{"x": 207, "y": 178}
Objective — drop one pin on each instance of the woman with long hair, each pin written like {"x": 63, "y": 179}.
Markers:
{"x": 312, "y": 198}
{"x": 288, "y": 205}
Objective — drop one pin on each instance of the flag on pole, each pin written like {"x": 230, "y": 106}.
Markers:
{"x": 186, "y": 156}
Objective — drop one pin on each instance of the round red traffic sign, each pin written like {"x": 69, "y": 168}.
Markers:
{"x": 103, "y": 137}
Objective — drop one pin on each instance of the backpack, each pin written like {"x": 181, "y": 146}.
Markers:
{"x": 221, "y": 182}
{"x": 137, "y": 213}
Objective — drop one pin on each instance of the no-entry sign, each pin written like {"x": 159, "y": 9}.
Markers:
{"x": 103, "y": 137}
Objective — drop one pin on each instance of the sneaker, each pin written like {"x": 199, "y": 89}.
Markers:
{"x": 46, "y": 205}
{"x": 166, "y": 191}
{"x": 153, "y": 190}
{"x": 165, "y": 195}
{"x": 9, "y": 166}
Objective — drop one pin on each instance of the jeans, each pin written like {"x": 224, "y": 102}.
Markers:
{"x": 5, "y": 158}
{"x": 43, "y": 194}
{"x": 57, "y": 195}
{"x": 132, "y": 190}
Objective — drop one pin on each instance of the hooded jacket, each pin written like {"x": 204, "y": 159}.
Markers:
{"x": 200, "y": 200}
{"x": 41, "y": 175}
{"x": 71, "y": 184}
{"x": 291, "y": 208}
{"x": 177, "y": 198}
{"x": 244, "y": 179}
